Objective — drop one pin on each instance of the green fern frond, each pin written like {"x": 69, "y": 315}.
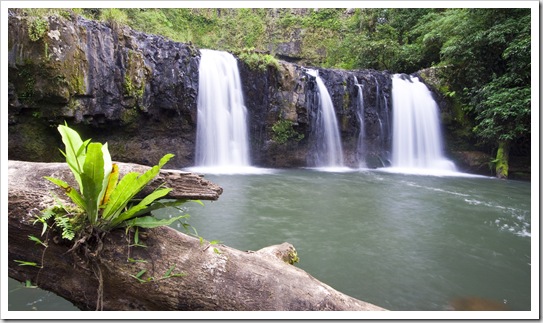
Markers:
{"x": 64, "y": 223}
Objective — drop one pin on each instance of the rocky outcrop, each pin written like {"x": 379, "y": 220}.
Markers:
{"x": 136, "y": 91}
{"x": 289, "y": 94}
{"x": 343, "y": 86}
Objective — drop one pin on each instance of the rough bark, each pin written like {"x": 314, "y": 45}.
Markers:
{"x": 216, "y": 277}
{"x": 185, "y": 185}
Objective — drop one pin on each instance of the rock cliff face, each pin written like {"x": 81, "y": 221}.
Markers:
{"x": 289, "y": 94}
{"x": 138, "y": 92}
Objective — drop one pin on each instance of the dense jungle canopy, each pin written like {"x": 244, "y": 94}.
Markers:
{"x": 482, "y": 57}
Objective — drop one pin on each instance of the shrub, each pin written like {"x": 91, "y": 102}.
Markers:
{"x": 104, "y": 201}
{"x": 37, "y": 27}
{"x": 114, "y": 16}
{"x": 258, "y": 61}
{"x": 283, "y": 131}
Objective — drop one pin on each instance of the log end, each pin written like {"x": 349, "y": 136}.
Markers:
{"x": 284, "y": 252}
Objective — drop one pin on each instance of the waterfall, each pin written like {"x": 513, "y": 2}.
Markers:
{"x": 221, "y": 135}
{"x": 384, "y": 123}
{"x": 416, "y": 141}
{"x": 361, "y": 147}
{"x": 328, "y": 151}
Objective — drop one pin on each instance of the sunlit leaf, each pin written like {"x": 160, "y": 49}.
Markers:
{"x": 111, "y": 184}
{"x": 127, "y": 188}
{"x": 26, "y": 263}
{"x": 141, "y": 206}
{"x": 92, "y": 179}
{"x": 70, "y": 191}
{"x": 74, "y": 151}
{"x": 108, "y": 169}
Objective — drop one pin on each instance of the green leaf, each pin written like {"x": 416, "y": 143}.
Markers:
{"x": 99, "y": 187}
{"x": 44, "y": 228}
{"x": 136, "y": 260}
{"x": 92, "y": 179}
{"x": 72, "y": 193}
{"x": 168, "y": 273}
{"x": 75, "y": 151}
{"x": 136, "y": 239}
{"x": 28, "y": 284}
{"x": 161, "y": 204}
{"x": 137, "y": 236}
{"x": 150, "y": 221}
{"x": 121, "y": 195}
{"x": 67, "y": 230}
{"x": 164, "y": 160}
{"x": 128, "y": 187}
{"x": 36, "y": 240}
{"x": 113, "y": 178}
{"x": 138, "y": 276}
{"x": 26, "y": 263}
{"x": 108, "y": 169}
{"x": 143, "y": 271}
{"x": 196, "y": 201}
{"x": 46, "y": 214}
{"x": 141, "y": 207}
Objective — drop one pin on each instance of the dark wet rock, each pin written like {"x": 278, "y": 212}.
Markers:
{"x": 138, "y": 92}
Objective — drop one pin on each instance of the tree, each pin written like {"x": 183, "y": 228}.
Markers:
{"x": 490, "y": 62}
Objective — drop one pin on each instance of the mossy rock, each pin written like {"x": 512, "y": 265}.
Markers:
{"x": 32, "y": 139}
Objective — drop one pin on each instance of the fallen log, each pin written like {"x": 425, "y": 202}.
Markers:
{"x": 174, "y": 271}
{"x": 184, "y": 185}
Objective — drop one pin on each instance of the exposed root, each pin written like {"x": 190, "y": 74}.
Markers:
{"x": 89, "y": 246}
{"x": 100, "y": 292}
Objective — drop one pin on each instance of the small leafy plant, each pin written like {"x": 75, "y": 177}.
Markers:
{"x": 169, "y": 274}
{"x": 258, "y": 61}
{"x": 107, "y": 202}
{"x": 103, "y": 202}
{"x": 283, "y": 132}
{"x": 37, "y": 27}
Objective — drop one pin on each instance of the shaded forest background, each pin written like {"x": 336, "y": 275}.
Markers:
{"x": 480, "y": 59}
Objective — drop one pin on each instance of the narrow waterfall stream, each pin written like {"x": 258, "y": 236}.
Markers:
{"x": 221, "y": 136}
{"x": 416, "y": 134}
{"x": 328, "y": 141}
{"x": 362, "y": 134}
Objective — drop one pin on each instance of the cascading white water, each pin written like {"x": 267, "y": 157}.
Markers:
{"x": 362, "y": 135}
{"x": 221, "y": 136}
{"x": 329, "y": 152}
{"x": 416, "y": 141}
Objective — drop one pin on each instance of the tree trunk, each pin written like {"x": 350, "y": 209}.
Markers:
{"x": 215, "y": 277}
{"x": 502, "y": 159}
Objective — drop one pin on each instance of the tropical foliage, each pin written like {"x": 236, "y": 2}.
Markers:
{"x": 483, "y": 54}
{"x": 283, "y": 132}
{"x": 105, "y": 202}
{"x": 258, "y": 61}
